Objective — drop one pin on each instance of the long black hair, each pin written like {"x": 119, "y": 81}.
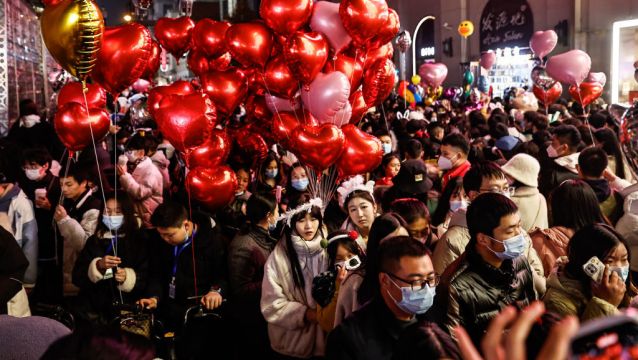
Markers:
{"x": 297, "y": 272}
{"x": 573, "y": 204}
{"x": 609, "y": 142}
{"x": 598, "y": 240}
{"x": 443, "y": 207}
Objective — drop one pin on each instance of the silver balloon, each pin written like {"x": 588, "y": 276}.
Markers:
{"x": 628, "y": 119}
{"x": 541, "y": 79}
{"x": 403, "y": 41}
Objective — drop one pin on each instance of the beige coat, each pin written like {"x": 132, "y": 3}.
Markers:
{"x": 532, "y": 207}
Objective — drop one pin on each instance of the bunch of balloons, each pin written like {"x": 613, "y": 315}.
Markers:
{"x": 304, "y": 74}
{"x": 432, "y": 77}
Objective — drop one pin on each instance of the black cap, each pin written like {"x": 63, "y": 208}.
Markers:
{"x": 412, "y": 178}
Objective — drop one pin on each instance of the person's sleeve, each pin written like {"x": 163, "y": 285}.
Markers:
{"x": 275, "y": 306}
{"x": 453, "y": 316}
{"x": 137, "y": 190}
{"x": 339, "y": 346}
{"x": 598, "y": 308}
{"x": 76, "y": 233}
{"x": 30, "y": 249}
{"x": 13, "y": 264}
{"x": 444, "y": 252}
{"x": 536, "y": 265}
{"x": 348, "y": 302}
{"x": 326, "y": 315}
{"x": 85, "y": 270}
{"x": 220, "y": 266}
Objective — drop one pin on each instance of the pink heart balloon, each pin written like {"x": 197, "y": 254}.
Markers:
{"x": 543, "y": 42}
{"x": 277, "y": 104}
{"x": 571, "y": 67}
{"x": 488, "y": 58}
{"x": 598, "y": 77}
{"x": 341, "y": 118}
{"x": 325, "y": 19}
{"x": 433, "y": 74}
{"x": 326, "y": 95}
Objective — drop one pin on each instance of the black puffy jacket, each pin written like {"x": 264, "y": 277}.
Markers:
{"x": 472, "y": 292}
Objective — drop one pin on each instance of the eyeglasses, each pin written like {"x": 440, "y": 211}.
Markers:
{"x": 416, "y": 285}
{"x": 508, "y": 190}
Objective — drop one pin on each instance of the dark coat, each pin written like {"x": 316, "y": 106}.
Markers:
{"x": 472, "y": 292}
{"x": 371, "y": 333}
{"x": 210, "y": 265}
{"x": 553, "y": 175}
{"x": 43, "y": 217}
{"x": 97, "y": 298}
{"x": 13, "y": 264}
{"x": 39, "y": 135}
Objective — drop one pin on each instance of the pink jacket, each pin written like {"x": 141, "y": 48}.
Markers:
{"x": 144, "y": 186}
{"x": 550, "y": 244}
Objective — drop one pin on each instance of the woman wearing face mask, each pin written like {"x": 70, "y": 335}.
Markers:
{"x": 247, "y": 256}
{"x": 297, "y": 185}
{"x": 360, "y": 206}
{"x": 390, "y": 166}
{"x": 145, "y": 184}
{"x": 233, "y": 217}
{"x": 570, "y": 291}
{"x": 346, "y": 264}
{"x": 286, "y": 300}
{"x": 523, "y": 170}
{"x": 269, "y": 175}
{"x": 113, "y": 266}
{"x": 452, "y": 199}
{"x": 417, "y": 218}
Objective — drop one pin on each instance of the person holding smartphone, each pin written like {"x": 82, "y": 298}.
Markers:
{"x": 570, "y": 291}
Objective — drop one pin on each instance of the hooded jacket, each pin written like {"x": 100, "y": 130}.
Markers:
{"x": 284, "y": 306}
{"x": 145, "y": 187}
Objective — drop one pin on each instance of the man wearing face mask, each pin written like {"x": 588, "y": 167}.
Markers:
{"x": 453, "y": 160}
{"x": 172, "y": 281}
{"x": 492, "y": 273}
{"x": 406, "y": 288}
{"x": 561, "y": 160}
{"x": 483, "y": 177}
{"x": 43, "y": 189}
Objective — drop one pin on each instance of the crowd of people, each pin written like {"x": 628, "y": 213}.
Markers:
{"x": 472, "y": 218}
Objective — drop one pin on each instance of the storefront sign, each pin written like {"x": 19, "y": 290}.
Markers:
{"x": 506, "y": 24}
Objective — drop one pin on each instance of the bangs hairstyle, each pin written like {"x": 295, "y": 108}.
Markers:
{"x": 130, "y": 225}
{"x": 362, "y": 194}
{"x": 482, "y": 170}
{"x": 349, "y": 244}
{"x": 485, "y": 213}
{"x": 410, "y": 209}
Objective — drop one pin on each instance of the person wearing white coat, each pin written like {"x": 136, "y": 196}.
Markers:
{"x": 286, "y": 301}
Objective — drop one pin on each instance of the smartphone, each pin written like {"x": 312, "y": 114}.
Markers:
{"x": 594, "y": 268}
{"x": 614, "y": 337}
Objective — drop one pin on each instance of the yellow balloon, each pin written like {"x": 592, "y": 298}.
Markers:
{"x": 72, "y": 31}
{"x": 466, "y": 28}
{"x": 416, "y": 79}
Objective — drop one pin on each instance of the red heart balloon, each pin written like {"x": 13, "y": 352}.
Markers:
{"x": 200, "y": 64}
{"x": 153, "y": 63}
{"x": 317, "y": 146}
{"x": 155, "y": 96}
{"x": 306, "y": 54}
{"x": 285, "y": 16}
{"x": 363, "y": 18}
{"x": 74, "y": 125}
{"x": 550, "y": 96}
{"x": 389, "y": 31}
{"x": 384, "y": 52}
{"x": 209, "y": 37}
{"x": 256, "y": 108}
{"x": 213, "y": 187}
{"x": 186, "y": 120}
{"x": 72, "y": 92}
{"x": 283, "y": 126}
{"x": 589, "y": 91}
{"x": 175, "y": 35}
{"x": 227, "y": 89}
{"x": 359, "y": 107}
{"x": 378, "y": 81}
{"x": 212, "y": 153}
{"x": 362, "y": 152}
{"x": 279, "y": 79}
{"x": 123, "y": 57}
{"x": 251, "y": 146}
{"x": 348, "y": 65}
{"x": 250, "y": 43}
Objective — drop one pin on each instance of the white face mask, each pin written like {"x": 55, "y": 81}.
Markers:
{"x": 551, "y": 152}
{"x": 33, "y": 174}
{"x": 444, "y": 163}
{"x": 456, "y": 205}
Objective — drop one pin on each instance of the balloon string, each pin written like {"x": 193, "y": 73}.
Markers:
{"x": 580, "y": 98}
{"x": 97, "y": 161}
{"x": 274, "y": 104}
{"x": 53, "y": 222}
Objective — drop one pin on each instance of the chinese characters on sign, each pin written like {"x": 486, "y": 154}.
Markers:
{"x": 506, "y": 24}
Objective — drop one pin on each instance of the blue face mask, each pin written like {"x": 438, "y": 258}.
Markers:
{"x": 387, "y": 148}
{"x": 113, "y": 222}
{"x": 415, "y": 302}
{"x": 300, "y": 184}
{"x": 271, "y": 173}
{"x": 514, "y": 247}
{"x": 623, "y": 272}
